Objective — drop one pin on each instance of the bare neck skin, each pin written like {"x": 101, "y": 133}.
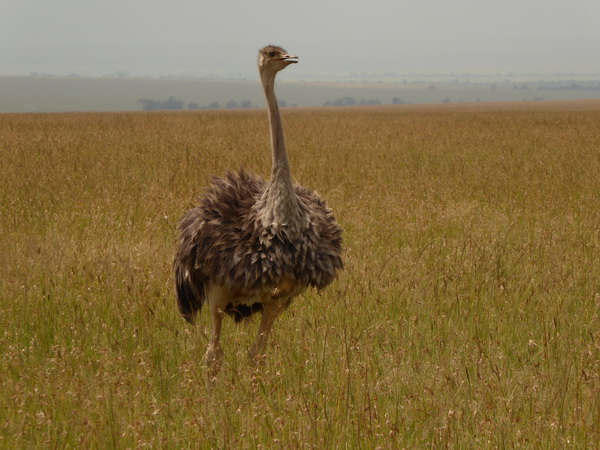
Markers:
{"x": 281, "y": 206}
{"x": 281, "y": 169}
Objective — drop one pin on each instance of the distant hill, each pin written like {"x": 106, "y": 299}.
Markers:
{"x": 63, "y": 94}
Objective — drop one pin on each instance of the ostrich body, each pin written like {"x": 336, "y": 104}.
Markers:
{"x": 253, "y": 245}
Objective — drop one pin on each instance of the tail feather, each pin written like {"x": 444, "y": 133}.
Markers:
{"x": 190, "y": 295}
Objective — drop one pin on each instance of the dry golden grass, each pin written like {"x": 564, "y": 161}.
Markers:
{"x": 467, "y": 315}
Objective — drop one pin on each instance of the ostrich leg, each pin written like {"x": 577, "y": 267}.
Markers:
{"x": 271, "y": 311}
{"x": 214, "y": 353}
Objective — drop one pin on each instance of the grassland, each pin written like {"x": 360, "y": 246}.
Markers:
{"x": 467, "y": 316}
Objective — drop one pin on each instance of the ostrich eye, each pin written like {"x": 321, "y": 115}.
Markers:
{"x": 272, "y": 54}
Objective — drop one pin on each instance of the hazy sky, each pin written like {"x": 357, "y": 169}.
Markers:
{"x": 221, "y": 37}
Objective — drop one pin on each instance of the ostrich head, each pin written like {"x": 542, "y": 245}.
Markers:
{"x": 271, "y": 59}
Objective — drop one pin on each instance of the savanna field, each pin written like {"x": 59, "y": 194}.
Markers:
{"x": 467, "y": 315}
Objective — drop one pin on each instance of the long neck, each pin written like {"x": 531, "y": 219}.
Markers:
{"x": 281, "y": 169}
{"x": 279, "y": 206}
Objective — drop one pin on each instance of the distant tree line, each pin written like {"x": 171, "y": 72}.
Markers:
{"x": 571, "y": 87}
{"x": 351, "y": 101}
{"x": 172, "y": 104}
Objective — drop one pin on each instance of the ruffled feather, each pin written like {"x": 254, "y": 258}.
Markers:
{"x": 223, "y": 240}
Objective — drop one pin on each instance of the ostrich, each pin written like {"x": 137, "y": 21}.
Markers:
{"x": 253, "y": 245}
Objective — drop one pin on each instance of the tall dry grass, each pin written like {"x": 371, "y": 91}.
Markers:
{"x": 467, "y": 315}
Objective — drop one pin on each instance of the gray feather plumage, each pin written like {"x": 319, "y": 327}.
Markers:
{"x": 225, "y": 241}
